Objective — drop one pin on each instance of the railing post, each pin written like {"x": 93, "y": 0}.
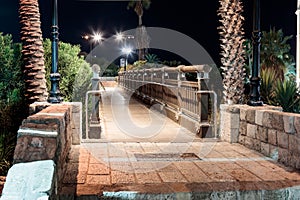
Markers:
{"x": 95, "y": 98}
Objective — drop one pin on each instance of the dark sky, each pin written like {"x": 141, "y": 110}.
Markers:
{"x": 198, "y": 22}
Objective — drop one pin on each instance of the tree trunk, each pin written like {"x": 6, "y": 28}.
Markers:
{"x": 32, "y": 51}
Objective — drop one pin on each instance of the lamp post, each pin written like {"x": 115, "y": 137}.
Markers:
{"x": 54, "y": 96}
{"x": 256, "y": 37}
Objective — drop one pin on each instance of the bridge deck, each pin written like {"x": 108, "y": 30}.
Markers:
{"x": 140, "y": 157}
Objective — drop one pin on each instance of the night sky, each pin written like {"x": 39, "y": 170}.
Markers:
{"x": 198, "y": 22}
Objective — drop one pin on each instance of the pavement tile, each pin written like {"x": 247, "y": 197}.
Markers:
{"x": 84, "y": 189}
{"x": 98, "y": 169}
{"x": 140, "y": 167}
{"x": 224, "y": 186}
{"x": 98, "y": 180}
{"x": 228, "y": 165}
{"x": 149, "y": 177}
{"x": 122, "y": 177}
{"x": 208, "y": 166}
{"x": 243, "y": 175}
{"x": 172, "y": 176}
{"x": 179, "y": 187}
{"x": 122, "y": 166}
{"x": 199, "y": 187}
{"x": 232, "y": 154}
{"x": 84, "y": 158}
{"x": 221, "y": 176}
{"x": 95, "y": 160}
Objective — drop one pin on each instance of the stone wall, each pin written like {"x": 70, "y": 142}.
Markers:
{"x": 44, "y": 140}
{"x": 265, "y": 129}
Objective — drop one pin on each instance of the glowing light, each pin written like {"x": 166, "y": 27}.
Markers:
{"x": 97, "y": 37}
{"x": 119, "y": 36}
{"x": 127, "y": 50}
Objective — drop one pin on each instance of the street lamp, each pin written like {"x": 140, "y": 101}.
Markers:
{"x": 126, "y": 51}
{"x": 256, "y": 37}
{"x": 54, "y": 96}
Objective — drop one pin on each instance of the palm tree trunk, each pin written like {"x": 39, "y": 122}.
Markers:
{"x": 32, "y": 51}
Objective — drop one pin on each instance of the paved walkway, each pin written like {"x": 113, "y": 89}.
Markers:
{"x": 161, "y": 160}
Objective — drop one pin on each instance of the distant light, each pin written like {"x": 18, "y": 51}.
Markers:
{"x": 127, "y": 50}
{"x": 97, "y": 37}
{"x": 86, "y": 37}
{"x": 119, "y": 36}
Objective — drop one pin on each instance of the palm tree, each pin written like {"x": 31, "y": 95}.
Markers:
{"x": 139, "y": 8}
{"x": 142, "y": 38}
{"x": 275, "y": 53}
{"x": 32, "y": 51}
{"x": 232, "y": 51}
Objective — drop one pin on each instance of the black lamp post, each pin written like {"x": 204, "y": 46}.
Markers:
{"x": 256, "y": 37}
{"x": 54, "y": 96}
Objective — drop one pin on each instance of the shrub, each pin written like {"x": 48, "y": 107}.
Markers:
{"x": 12, "y": 103}
{"x": 287, "y": 95}
{"x": 69, "y": 64}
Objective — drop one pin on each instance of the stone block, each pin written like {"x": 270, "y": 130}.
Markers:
{"x": 288, "y": 122}
{"x": 241, "y": 139}
{"x": 243, "y": 128}
{"x": 243, "y": 114}
{"x": 256, "y": 145}
{"x": 272, "y": 136}
{"x": 294, "y": 145}
{"x": 234, "y": 136}
{"x": 283, "y": 139}
{"x": 273, "y": 119}
{"x": 273, "y": 152}
{"x": 33, "y": 180}
{"x": 262, "y": 134}
{"x": 284, "y": 156}
{"x": 250, "y": 116}
{"x": 295, "y": 161}
{"x": 33, "y": 148}
{"x": 249, "y": 142}
{"x": 265, "y": 148}
{"x": 259, "y": 117}
{"x": 229, "y": 127}
{"x": 251, "y": 130}
{"x": 297, "y": 124}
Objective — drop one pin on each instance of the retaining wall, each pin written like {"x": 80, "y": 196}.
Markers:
{"x": 265, "y": 129}
{"x": 44, "y": 141}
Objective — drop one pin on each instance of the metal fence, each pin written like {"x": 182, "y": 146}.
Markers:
{"x": 169, "y": 87}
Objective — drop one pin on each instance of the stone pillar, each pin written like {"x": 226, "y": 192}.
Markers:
{"x": 229, "y": 123}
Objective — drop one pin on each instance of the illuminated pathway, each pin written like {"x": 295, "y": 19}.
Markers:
{"x": 139, "y": 157}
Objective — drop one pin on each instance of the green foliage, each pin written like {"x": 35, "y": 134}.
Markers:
{"x": 274, "y": 54}
{"x": 69, "y": 63}
{"x": 152, "y": 58}
{"x": 171, "y": 63}
{"x": 268, "y": 81}
{"x": 287, "y": 95}
{"x": 12, "y": 103}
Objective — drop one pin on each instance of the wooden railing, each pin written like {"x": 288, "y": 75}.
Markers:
{"x": 169, "y": 87}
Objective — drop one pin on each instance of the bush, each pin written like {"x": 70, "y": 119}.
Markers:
{"x": 287, "y": 95}
{"x": 12, "y": 103}
{"x": 69, "y": 64}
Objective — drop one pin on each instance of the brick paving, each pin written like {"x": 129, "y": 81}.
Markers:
{"x": 225, "y": 167}
{"x": 164, "y": 166}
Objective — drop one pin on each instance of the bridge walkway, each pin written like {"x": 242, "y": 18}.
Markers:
{"x": 144, "y": 155}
